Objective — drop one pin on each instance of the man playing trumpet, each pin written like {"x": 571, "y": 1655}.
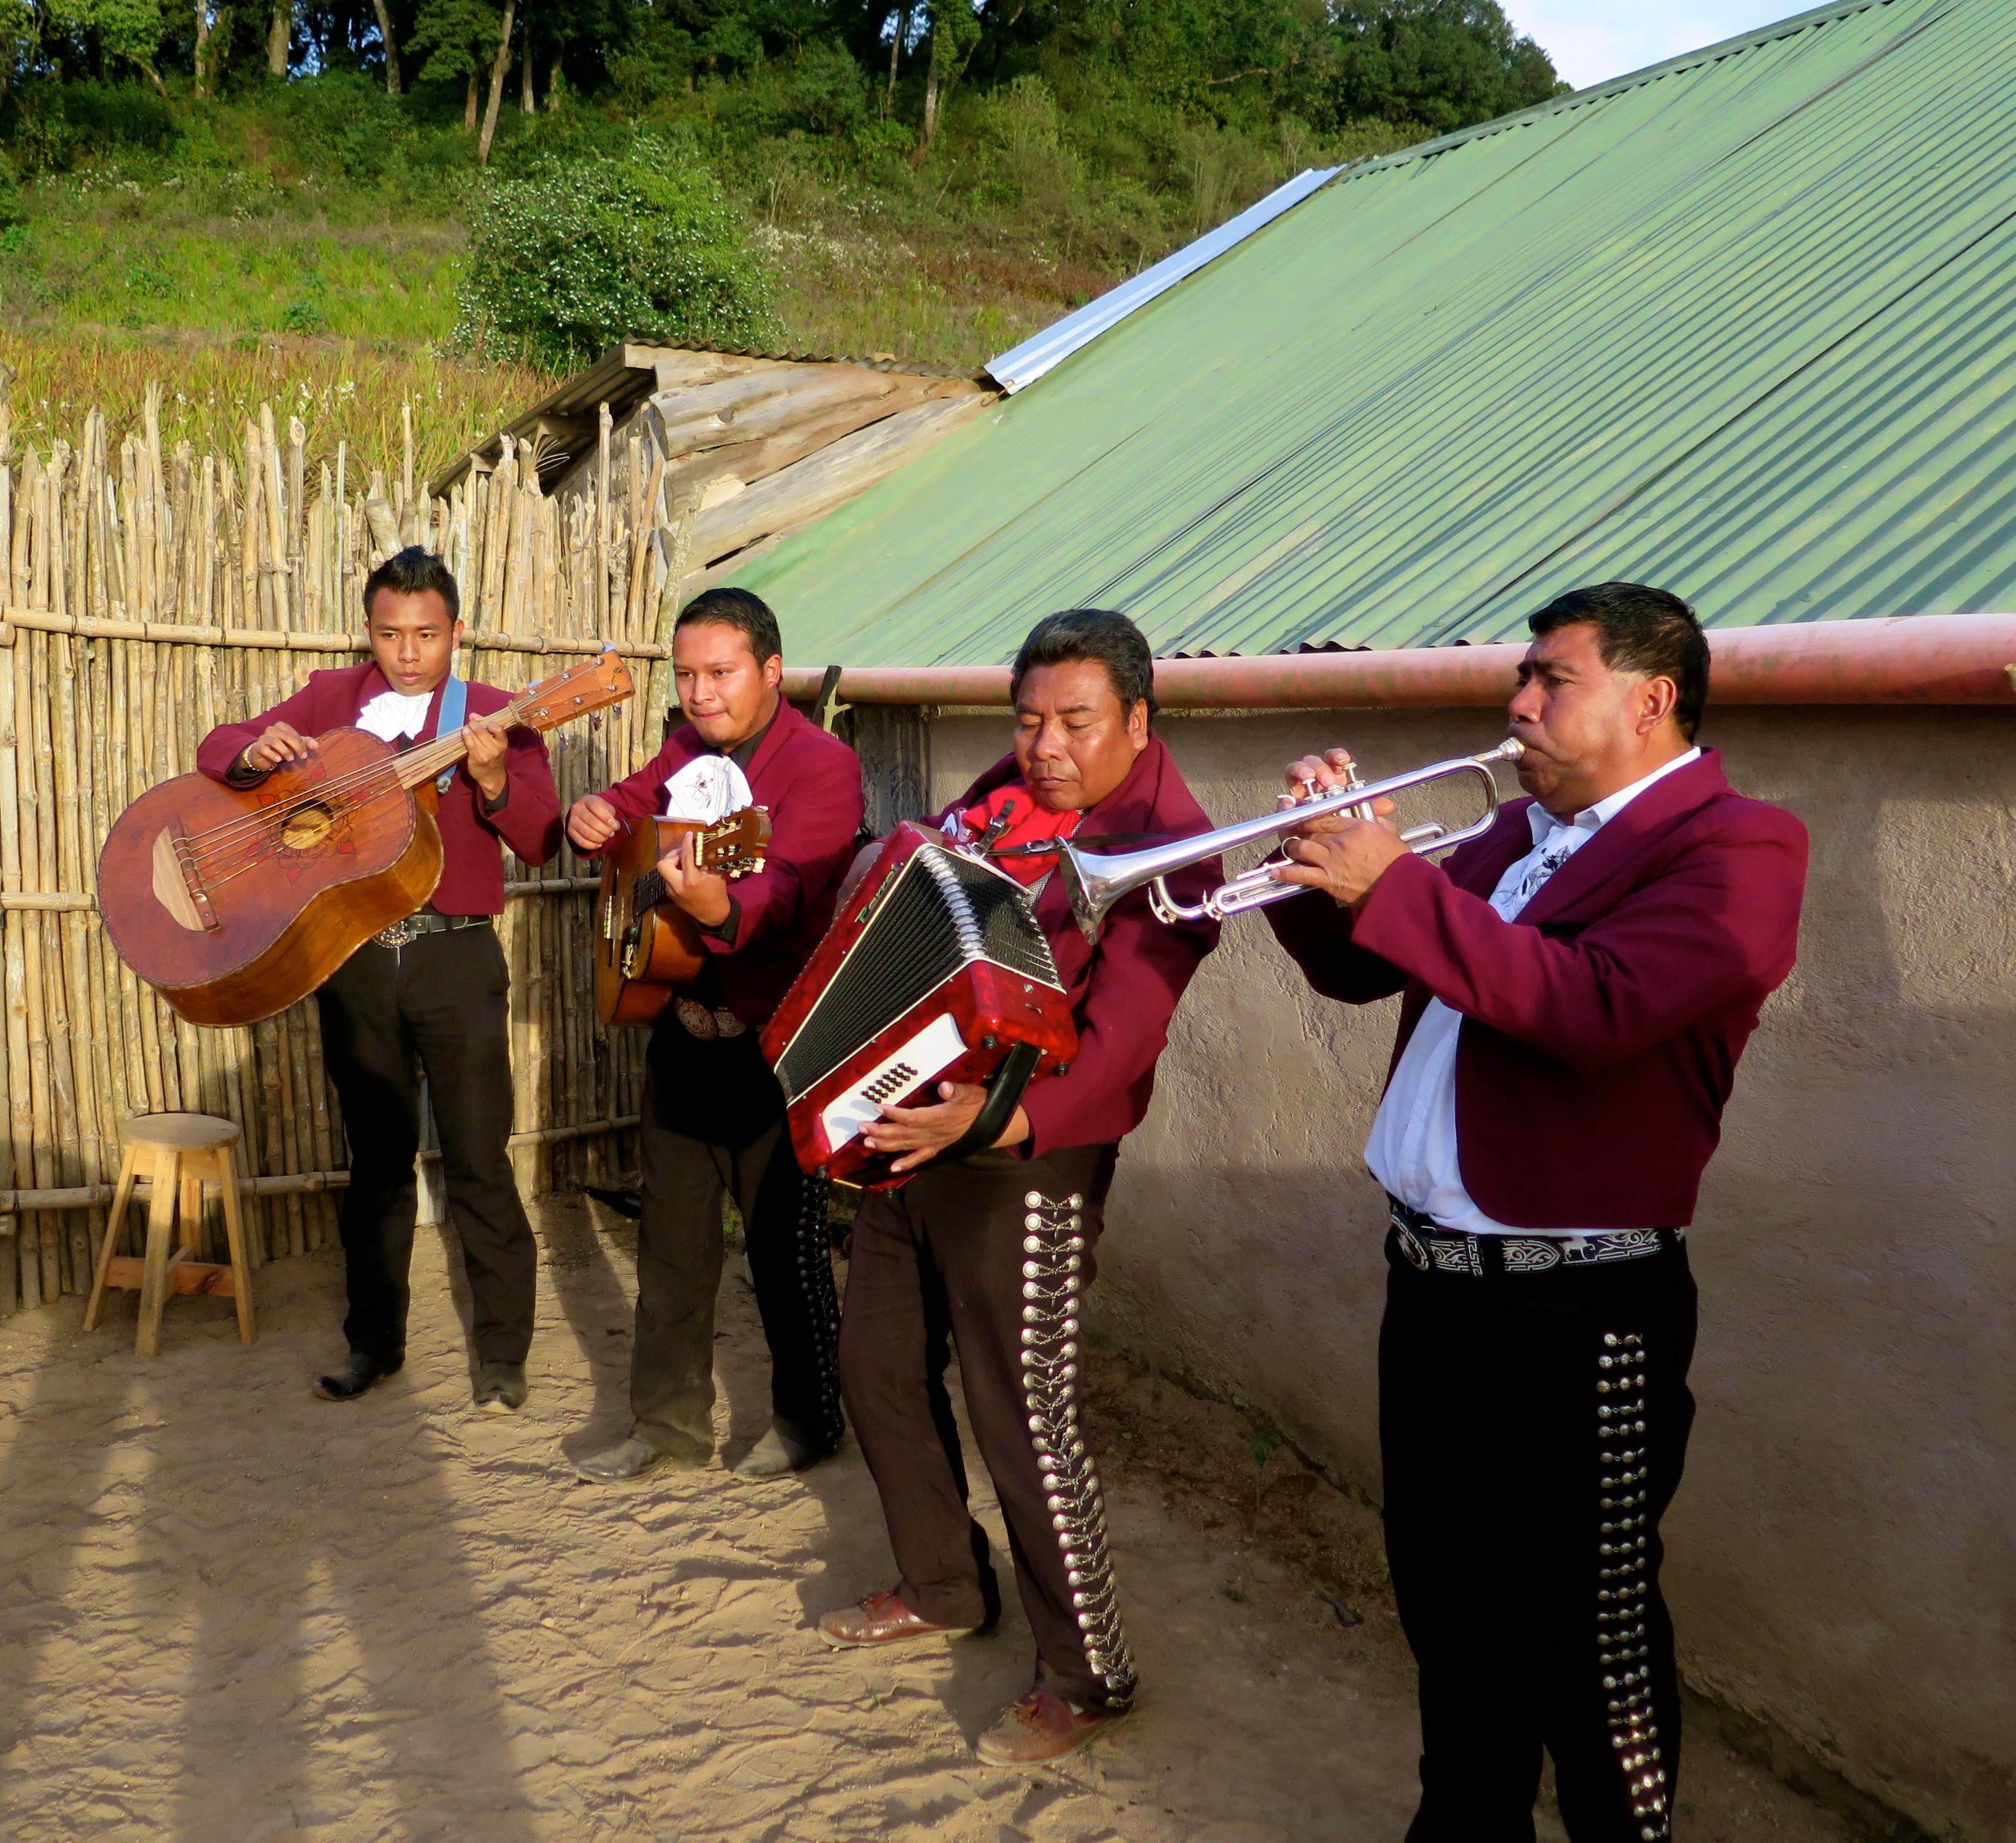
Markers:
{"x": 1577, "y": 987}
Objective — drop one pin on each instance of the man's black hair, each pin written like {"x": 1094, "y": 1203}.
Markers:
{"x": 748, "y": 614}
{"x": 1096, "y": 634}
{"x": 414, "y": 571}
{"x": 1639, "y": 630}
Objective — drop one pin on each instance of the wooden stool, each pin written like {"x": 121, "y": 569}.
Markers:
{"x": 180, "y": 1152}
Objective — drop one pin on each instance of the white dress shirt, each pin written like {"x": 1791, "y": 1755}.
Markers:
{"x": 391, "y": 714}
{"x": 1413, "y": 1149}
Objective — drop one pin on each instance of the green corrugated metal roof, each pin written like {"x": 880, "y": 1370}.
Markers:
{"x": 1744, "y": 325}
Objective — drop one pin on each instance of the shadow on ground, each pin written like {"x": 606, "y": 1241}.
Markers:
{"x": 232, "y": 1612}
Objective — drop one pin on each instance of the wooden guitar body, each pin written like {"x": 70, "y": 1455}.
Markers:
{"x": 234, "y": 902}
{"x": 647, "y": 948}
{"x": 643, "y": 953}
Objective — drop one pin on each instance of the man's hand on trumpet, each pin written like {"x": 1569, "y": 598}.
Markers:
{"x": 1343, "y": 856}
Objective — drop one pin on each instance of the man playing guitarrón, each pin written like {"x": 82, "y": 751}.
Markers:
{"x": 995, "y": 1253}
{"x": 428, "y": 994}
{"x": 713, "y": 1113}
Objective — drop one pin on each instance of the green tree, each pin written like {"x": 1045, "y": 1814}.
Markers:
{"x": 1441, "y": 63}
{"x": 570, "y": 260}
{"x": 459, "y": 38}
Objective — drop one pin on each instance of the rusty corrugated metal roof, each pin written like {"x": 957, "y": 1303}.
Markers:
{"x": 1743, "y": 325}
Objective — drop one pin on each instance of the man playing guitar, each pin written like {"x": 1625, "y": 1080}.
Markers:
{"x": 713, "y": 1124}
{"x": 429, "y": 995}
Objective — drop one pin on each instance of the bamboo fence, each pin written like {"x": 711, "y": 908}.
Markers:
{"x": 146, "y": 595}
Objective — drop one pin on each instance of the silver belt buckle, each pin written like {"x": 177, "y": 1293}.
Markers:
{"x": 400, "y": 933}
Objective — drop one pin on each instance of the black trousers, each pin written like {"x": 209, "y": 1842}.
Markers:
{"x": 679, "y": 1244}
{"x": 994, "y": 1255}
{"x": 436, "y": 1006}
{"x": 1533, "y": 1427}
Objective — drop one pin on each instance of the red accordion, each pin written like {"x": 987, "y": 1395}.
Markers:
{"x": 936, "y": 970}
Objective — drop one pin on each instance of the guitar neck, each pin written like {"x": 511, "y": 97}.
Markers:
{"x": 424, "y": 763}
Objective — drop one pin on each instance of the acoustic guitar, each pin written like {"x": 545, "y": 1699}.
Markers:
{"x": 233, "y": 902}
{"x": 647, "y": 947}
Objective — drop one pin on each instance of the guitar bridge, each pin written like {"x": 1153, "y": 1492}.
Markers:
{"x": 178, "y": 888}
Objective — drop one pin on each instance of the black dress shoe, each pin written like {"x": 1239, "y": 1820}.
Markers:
{"x": 500, "y": 1387}
{"x": 627, "y": 1203}
{"x": 358, "y": 1373}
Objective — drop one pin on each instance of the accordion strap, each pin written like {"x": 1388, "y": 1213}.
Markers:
{"x": 1004, "y": 1095}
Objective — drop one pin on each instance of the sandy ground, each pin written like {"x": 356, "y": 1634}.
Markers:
{"x": 229, "y": 1611}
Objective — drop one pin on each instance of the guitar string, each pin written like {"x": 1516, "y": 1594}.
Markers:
{"x": 273, "y": 815}
{"x": 503, "y": 718}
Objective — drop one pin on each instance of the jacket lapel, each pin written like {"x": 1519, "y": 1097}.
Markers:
{"x": 1620, "y": 843}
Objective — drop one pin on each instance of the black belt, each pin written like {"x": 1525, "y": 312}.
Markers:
{"x": 427, "y": 922}
{"x": 1425, "y": 1243}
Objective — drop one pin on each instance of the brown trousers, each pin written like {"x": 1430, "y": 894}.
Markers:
{"x": 993, "y": 1255}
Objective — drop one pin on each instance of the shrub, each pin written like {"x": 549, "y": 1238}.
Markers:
{"x": 13, "y": 207}
{"x": 124, "y": 114}
{"x": 570, "y": 259}
{"x": 342, "y": 121}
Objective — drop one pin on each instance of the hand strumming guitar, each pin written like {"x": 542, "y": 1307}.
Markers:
{"x": 279, "y": 743}
{"x": 592, "y": 823}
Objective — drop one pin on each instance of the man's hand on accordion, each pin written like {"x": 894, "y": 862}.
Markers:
{"x": 922, "y": 1133}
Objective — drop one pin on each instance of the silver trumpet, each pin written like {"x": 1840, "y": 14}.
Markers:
{"x": 1096, "y": 880}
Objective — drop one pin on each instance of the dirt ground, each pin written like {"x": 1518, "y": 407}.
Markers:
{"x": 230, "y": 1611}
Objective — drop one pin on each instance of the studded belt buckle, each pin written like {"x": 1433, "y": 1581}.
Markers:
{"x": 401, "y": 932}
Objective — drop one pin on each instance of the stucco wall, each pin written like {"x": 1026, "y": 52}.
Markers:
{"x": 1842, "y": 1560}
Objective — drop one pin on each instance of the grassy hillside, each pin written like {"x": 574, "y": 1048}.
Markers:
{"x": 903, "y": 188}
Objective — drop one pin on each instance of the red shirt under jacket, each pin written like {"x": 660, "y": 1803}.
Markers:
{"x": 472, "y": 878}
{"x": 1602, "y": 1027}
{"x": 810, "y": 781}
{"x": 1124, "y": 990}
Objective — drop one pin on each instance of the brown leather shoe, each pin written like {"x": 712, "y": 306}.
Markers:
{"x": 881, "y": 1619}
{"x": 1040, "y": 1728}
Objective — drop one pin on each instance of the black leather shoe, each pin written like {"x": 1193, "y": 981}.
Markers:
{"x": 358, "y": 1373}
{"x": 623, "y": 1203}
{"x": 500, "y": 1387}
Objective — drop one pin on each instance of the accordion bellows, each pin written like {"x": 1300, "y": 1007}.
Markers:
{"x": 936, "y": 969}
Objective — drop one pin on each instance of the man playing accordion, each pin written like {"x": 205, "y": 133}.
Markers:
{"x": 994, "y": 1252}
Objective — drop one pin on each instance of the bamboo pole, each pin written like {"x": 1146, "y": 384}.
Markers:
{"x": 147, "y": 595}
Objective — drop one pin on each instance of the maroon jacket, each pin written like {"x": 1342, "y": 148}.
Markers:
{"x": 810, "y": 781}
{"x": 472, "y": 878}
{"x": 1124, "y": 990}
{"x": 1601, "y": 1028}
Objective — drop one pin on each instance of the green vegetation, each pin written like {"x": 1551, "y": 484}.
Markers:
{"x": 583, "y": 253}
{"x": 932, "y": 178}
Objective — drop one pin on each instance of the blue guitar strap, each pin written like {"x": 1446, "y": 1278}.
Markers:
{"x": 454, "y": 714}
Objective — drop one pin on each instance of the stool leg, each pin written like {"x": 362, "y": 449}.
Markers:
{"x": 234, "y": 1234}
{"x": 192, "y": 1225}
{"x": 122, "y": 1196}
{"x": 160, "y": 1232}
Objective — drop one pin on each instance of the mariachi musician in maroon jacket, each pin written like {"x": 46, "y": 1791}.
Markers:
{"x": 1578, "y": 985}
{"x": 429, "y": 994}
{"x": 995, "y": 1253}
{"x": 713, "y": 1113}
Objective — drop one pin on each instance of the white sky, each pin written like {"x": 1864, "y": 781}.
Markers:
{"x": 1591, "y": 40}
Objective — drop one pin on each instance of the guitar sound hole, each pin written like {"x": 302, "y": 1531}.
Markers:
{"x": 306, "y": 827}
